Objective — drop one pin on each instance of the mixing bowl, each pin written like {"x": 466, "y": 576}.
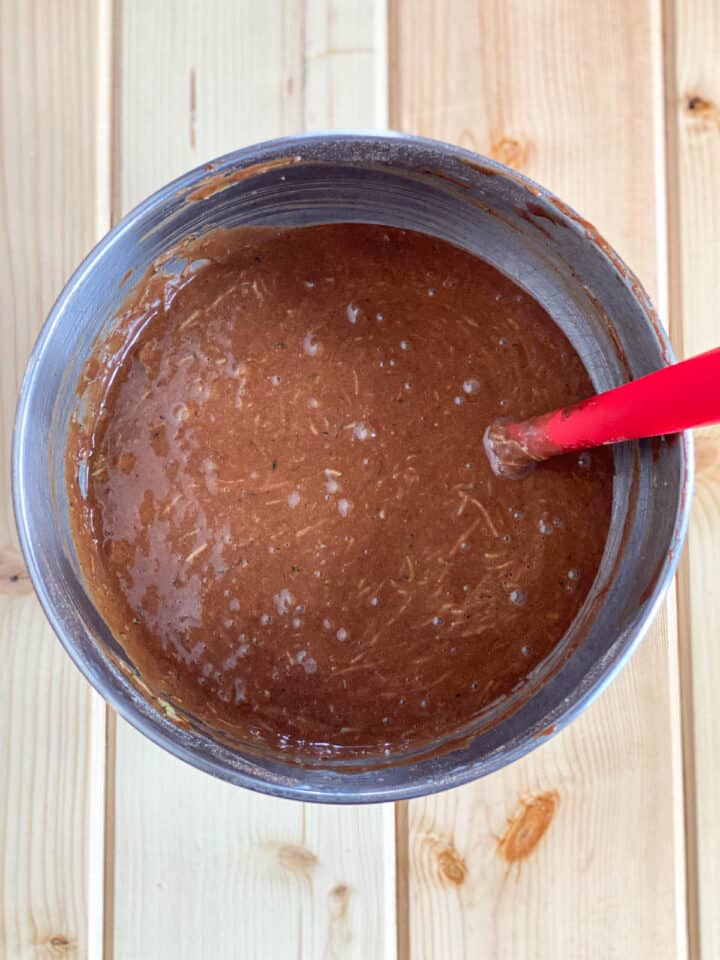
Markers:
{"x": 490, "y": 210}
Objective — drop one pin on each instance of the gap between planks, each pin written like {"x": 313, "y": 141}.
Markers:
{"x": 689, "y": 50}
{"x": 101, "y": 837}
{"x": 674, "y": 318}
{"x": 665, "y": 153}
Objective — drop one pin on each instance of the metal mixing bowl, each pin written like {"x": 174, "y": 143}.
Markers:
{"x": 406, "y": 182}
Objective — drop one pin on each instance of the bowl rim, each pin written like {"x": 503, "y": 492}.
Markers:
{"x": 149, "y": 722}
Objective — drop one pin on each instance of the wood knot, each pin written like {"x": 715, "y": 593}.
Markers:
{"x": 451, "y": 866}
{"x": 340, "y": 900}
{"x": 511, "y": 151}
{"x": 704, "y": 112}
{"x": 527, "y": 826}
{"x": 340, "y": 934}
{"x": 60, "y": 944}
{"x": 697, "y": 104}
{"x": 296, "y": 859}
{"x": 14, "y": 579}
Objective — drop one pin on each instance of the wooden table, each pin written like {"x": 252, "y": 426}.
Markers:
{"x": 111, "y": 848}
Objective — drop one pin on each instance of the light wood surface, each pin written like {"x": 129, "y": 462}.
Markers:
{"x": 304, "y": 881}
{"x": 693, "y": 104}
{"x": 109, "y": 847}
{"x": 615, "y": 776}
{"x": 51, "y": 212}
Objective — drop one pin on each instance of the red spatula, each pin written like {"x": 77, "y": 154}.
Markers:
{"x": 675, "y": 398}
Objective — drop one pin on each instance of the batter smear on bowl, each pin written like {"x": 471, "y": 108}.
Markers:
{"x": 280, "y": 499}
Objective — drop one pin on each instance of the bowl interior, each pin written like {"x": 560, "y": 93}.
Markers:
{"x": 476, "y": 204}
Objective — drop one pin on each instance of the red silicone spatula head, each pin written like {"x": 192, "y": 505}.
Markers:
{"x": 675, "y": 398}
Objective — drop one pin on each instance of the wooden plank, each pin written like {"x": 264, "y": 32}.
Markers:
{"x": 200, "y": 865}
{"x": 568, "y": 93}
{"x": 54, "y": 202}
{"x": 693, "y": 104}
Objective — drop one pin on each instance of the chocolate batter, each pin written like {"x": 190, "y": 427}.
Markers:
{"x": 281, "y": 501}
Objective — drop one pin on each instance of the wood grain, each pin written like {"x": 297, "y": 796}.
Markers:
{"x": 202, "y": 868}
{"x": 53, "y": 205}
{"x": 693, "y": 105}
{"x": 577, "y": 850}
